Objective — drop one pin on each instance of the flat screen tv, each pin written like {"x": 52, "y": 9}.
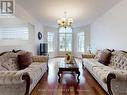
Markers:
{"x": 43, "y": 48}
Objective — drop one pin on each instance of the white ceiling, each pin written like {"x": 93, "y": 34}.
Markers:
{"x": 82, "y": 11}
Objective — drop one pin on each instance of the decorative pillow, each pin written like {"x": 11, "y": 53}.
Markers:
{"x": 3, "y": 69}
{"x": 10, "y": 64}
{"x": 105, "y": 57}
{"x": 88, "y": 55}
{"x": 24, "y": 60}
{"x": 98, "y": 54}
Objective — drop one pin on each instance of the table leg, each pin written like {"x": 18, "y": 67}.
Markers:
{"x": 59, "y": 77}
{"x": 78, "y": 76}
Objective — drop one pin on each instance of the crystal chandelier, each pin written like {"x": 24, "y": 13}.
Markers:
{"x": 65, "y": 22}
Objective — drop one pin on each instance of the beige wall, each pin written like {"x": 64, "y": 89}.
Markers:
{"x": 110, "y": 30}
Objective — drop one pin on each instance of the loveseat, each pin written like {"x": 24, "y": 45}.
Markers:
{"x": 20, "y": 82}
{"x": 113, "y": 77}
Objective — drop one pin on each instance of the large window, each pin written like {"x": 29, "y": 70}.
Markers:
{"x": 65, "y": 39}
{"x": 14, "y": 33}
{"x": 50, "y": 41}
{"x": 80, "y": 42}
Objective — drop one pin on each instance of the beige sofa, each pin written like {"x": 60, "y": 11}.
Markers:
{"x": 113, "y": 78}
{"x": 20, "y": 82}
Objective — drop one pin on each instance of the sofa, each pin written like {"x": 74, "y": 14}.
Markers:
{"x": 14, "y": 81}
{"x": 112, "y": 77}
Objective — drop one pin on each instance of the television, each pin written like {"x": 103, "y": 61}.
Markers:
{"x": 43, "y": 48}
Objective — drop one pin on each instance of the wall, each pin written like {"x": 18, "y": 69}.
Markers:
{"x": 25, "y": 17}
{"x": 7, "y": 45}
{"x": 86, "y": 30}
{"x": 38, "y": 28}
{"x": 110, "y": 30}
{"x": 55, "y": 30}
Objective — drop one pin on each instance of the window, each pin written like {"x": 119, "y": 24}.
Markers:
{"x": 14, "y": 33}
{"x": 50, "y": 41}
{"x": 80, "y": 42}
{"x": 65, "y": 39}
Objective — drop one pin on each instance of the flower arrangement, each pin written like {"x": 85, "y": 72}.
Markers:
{"x": 69, "y": 58}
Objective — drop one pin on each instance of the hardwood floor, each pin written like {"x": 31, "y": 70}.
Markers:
{"x": 49, "y": 85}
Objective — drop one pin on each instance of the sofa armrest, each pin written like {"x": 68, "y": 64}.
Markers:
{"x": 88, "y": 55}
{"x": 119, "y": 75}
{"x": 15, "y": 77}
{"x": 40, "y": 58}
{"x": 109, "y": 79}
{"x": 11, "y": 77}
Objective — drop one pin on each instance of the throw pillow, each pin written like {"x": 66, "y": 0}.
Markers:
{"x": 24, "y": 60}
{"x": 105, "y": 57}
{"x": 3, "y": 69}
{"x": 10, "y": 64}
{"x": 97, "y": 54}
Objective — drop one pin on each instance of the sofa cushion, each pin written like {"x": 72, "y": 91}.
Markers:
{"x": 40, "y": 59}
{"x": 42, "y": 65}
{"x": 98, "y": 54}
{"x": 91, "y": 63}
{"x": 24, "y": 60}
{"x": 105, "y": 57}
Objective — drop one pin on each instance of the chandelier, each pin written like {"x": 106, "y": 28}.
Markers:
{"x": 65, "y": 22}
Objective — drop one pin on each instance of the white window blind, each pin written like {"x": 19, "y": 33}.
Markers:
{"x": 50, "y": 41}
{"x": 14, "y": 33}
{"x": 65, "y": 39}
{"x": 81, "y": 42}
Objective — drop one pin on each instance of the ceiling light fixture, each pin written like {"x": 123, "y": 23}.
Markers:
{"x": 65, "y": 22}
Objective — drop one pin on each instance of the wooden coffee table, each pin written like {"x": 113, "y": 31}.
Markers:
{"x": 72, "y": 67}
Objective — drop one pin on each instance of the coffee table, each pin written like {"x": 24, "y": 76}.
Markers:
{"x": 72, "y": 67}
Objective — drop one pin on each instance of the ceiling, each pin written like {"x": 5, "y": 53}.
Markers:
{"x": 82, "y": 11}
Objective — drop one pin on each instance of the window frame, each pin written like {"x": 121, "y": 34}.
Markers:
{"x": 18, "y": 42}
{"x": 15, "y": 33}
{"x": 52, "y": 42}
{"x": 78, "y": 42}
{"x": 65, "y": 33}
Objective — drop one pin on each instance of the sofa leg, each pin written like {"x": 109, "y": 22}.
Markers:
{"x": 82, "y": 64}
{"x": 109, "y": 78}
{"x": 47, "y": 63}
{"x": 27, "y": 79}
{"x": 47, "y": 69}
